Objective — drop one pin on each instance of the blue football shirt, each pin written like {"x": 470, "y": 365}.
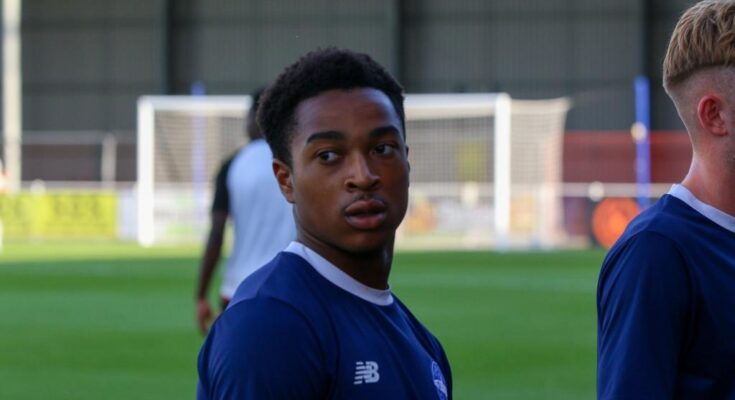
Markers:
{"x": 666, "y": 305}
{"x": 300, "y": 328}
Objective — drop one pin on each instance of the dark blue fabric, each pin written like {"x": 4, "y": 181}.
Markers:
{"x": 666, "y": 308}
{"x": 291, "y": 334}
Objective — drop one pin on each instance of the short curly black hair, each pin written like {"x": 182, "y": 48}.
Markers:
{"x": 316, "y": 72}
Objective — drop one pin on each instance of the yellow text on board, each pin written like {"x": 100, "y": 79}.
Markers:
{"x": 59, "y": 215}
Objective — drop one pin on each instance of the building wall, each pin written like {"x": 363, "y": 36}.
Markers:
{"x": 590, "y": 156}
{"x": 589, "y": 50}
{"x": 235, "y": 46}
{"x": 85, "y": 62}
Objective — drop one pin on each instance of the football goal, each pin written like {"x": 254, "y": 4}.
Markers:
{"x": 485, "y": 168}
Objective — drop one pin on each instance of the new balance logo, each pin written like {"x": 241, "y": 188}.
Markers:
{"x": 366, "y": 372}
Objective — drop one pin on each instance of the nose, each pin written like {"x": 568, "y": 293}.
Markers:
{"x": 360, "y": 176}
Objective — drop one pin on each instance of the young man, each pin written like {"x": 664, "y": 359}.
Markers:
{"x": 320, "y": 321}
{"x": 247, "y": 191}
{"x": 666, "y": 303}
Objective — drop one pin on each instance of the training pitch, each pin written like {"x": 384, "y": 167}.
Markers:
{"x": 115, "y": 321}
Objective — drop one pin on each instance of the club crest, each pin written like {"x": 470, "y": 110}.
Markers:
{"x": 439, "y": 382}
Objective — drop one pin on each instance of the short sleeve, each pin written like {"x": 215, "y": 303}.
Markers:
{"x": 261, "y": 348}
{"x": 643, "y": 306}
{"x": 221, "y": 200}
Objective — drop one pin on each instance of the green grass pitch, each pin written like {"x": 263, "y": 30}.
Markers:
{"x": 113, "y": 321}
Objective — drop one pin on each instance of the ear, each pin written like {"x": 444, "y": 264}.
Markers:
{"x": 711, "y": 114}
{"x": 284, "y": 177}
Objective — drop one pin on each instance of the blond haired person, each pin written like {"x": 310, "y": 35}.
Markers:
{"x": 666, "y": 294}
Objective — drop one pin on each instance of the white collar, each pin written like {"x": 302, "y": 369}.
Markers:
{"x": 717, "y": 216}
{"x": 339, "y": 278}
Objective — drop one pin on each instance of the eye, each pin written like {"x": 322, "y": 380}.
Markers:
{"x": 385, "y": 149}
{"x": 327, "y": 156}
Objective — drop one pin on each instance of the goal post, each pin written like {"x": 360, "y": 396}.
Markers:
{"x": 485, "y": 168}
{"x": 429, "y": 107}
{"x": 486, "y": 171}
{"x": 182, "y": 140}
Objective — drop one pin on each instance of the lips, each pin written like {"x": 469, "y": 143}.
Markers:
{"x": 366, "y": 214}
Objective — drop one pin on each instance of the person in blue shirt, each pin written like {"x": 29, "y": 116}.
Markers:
{"x": 320, "y": 321}
{"x": 666, "y": 291}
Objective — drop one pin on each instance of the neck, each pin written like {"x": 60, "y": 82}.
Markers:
{"x": 371, "y": 268}
{"x": 712, "y": 184}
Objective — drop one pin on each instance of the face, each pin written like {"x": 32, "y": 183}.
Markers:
{"x": 348, "y": 179}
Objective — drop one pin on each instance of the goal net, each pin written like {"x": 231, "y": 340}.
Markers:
{"x": 485, "y": 169}
{"x": 182, "y": 141}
